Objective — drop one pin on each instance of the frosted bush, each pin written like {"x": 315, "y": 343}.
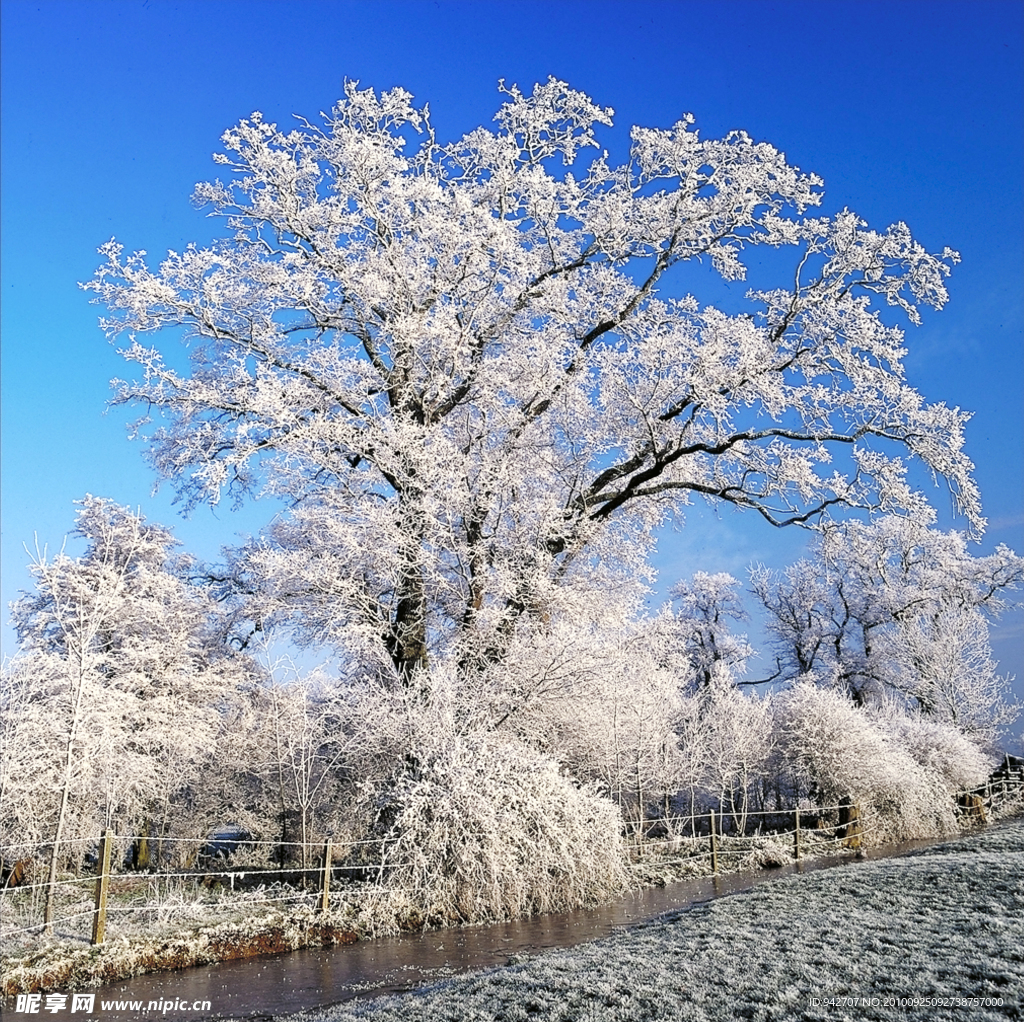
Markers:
{"x": 476, "y": 828}
{"x": 841, "y": 751}
{"x": 940, "y": 749}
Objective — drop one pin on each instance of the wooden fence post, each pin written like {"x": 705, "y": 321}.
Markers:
{"x": 99, "y": 916}
{"x": 796, "y": 836}
{"x": 714, "y": 845}
{"x": 325, "y": 878}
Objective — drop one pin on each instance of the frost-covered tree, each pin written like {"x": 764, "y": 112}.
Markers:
{"x": 697, "y": 637}
{"x": 943, "y": 663}
{"x": 304, "y": 748}
{"x": 617, "y": 725}
{"x": 30, "y": 735}
{"x": 126, "y": 677}
{"x": 587, "y": 688}
{"x": 737, "y": 741}
{"x": 463, "y": 365}
{"x": 892, "y": 603}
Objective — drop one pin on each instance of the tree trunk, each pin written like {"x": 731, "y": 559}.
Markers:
{"x": 407, "y": 638}
{"x": 58, "y": 833}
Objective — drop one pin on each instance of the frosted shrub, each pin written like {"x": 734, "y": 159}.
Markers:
{"x": 939, "y": 748}
{"x": 841, "y": 751}
{"x": 478, "y": 828}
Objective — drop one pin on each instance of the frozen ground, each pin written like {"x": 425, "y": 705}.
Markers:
{"x": 939, "y": 926}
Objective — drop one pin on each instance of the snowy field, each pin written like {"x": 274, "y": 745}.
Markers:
{"x": 943, "y": 927}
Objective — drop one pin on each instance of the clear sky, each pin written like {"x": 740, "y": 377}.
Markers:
{"x": 909, "y": 109}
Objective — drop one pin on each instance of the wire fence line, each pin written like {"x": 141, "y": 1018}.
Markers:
{"x": 808, "y": 829}
{"x": 268, "y": 876}
{"x": 211, "y": 888}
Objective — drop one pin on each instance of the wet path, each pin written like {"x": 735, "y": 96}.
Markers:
{"x": 260, "y": 988}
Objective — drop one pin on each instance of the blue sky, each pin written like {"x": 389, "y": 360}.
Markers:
{"x": 910, "y": 110}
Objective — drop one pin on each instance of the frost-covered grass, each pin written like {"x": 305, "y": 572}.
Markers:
{"x": 59, "y": 965}
{"x": 137, "y": 906}
{"x": 184, "y": 926}
{"x": 944, "y": 923}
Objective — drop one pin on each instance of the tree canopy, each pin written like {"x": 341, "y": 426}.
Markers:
{"x": 457, "y": 361}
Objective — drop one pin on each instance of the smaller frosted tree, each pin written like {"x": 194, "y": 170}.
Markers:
{"x": 943, "y": 663}
{"x": 304, "y": 744}
{"x": 30, "y": 735}
{"x": 738, "y": 741}
{"x": 698, "y": 642}
{"x": 894, "y": 605}
{"x": 721, "y": 734}
{"x": 591, "y": 689}
{"x": 125, "y": 662}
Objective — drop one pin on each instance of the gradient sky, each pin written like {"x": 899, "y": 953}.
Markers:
{"x": 111, "y": 110}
